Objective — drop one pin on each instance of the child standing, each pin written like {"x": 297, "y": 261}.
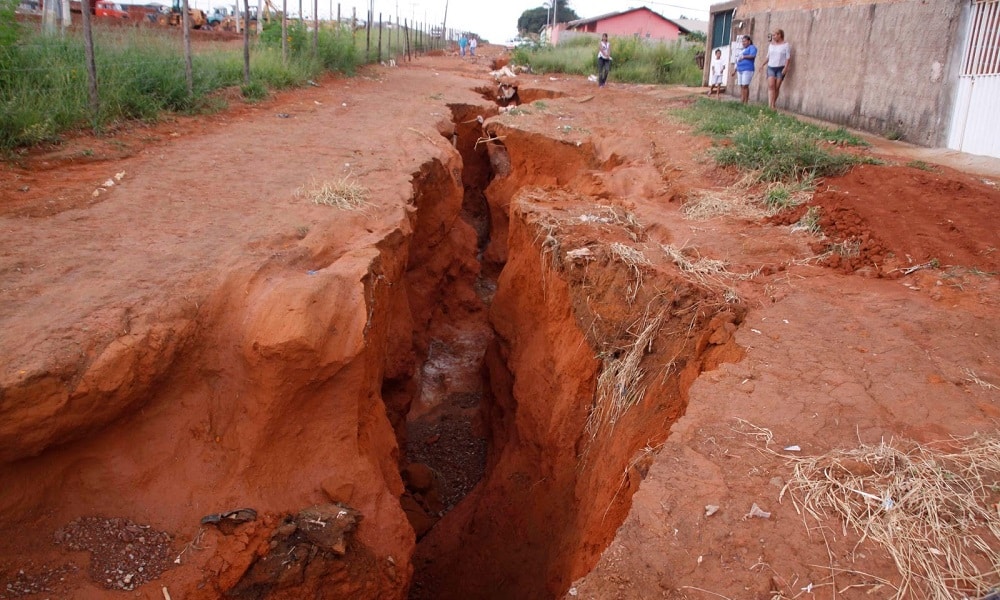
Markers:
{"x": 717, "y": 74}
{"x": 603, "y": 61}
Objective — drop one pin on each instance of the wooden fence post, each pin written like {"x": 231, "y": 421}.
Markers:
{"x": 284, "y": 31}
{"x": 88, "y": 51}
{"x": 246, "y": 42}
{"x": 186, "y": 26}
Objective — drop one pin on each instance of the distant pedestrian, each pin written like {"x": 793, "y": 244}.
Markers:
{"x": 744, "y": 67}
{"x": 462, "y": 43}
{"x": 717, "y": 76}
{"x": 779, "y": 61}
{"x": 472, "y": 45}
{"x": 603, "y": 61}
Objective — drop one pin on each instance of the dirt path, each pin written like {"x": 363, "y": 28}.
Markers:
{"x": 166, "y": 355}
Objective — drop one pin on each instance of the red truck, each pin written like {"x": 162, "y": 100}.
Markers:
{"x": 101, "y": 8}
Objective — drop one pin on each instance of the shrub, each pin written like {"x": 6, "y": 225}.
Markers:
{"x": 633, "y": 60}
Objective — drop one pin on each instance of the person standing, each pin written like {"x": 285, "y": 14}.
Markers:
{"x": 462, "y": 43}
{"x": 472, "y": 46}
{"x": 603, "y": 61}
{"x": 779, "y": 60}
{"x": 717, "y": 74}
{"x": 744, "y": 67}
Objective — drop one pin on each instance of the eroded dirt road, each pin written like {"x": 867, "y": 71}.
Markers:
{"x": 200, "y": 337}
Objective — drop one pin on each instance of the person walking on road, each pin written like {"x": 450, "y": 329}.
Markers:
{"x": 779, "y": 60}
{"x": 462, "y": 43}
{"x": 744, "y": 67}
{"x": 603, "y": 61}
{"x": 472, "y": 45}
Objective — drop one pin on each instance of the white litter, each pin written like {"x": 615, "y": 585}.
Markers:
{"x": 580, "y": 253}
{"x": 793, "y": 449}
{"x": 755, "y": 511}
{"x": 711, "y": 509}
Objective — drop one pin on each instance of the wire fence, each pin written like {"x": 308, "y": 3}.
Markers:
{"x": 378, "y": 37}
{"x": 86, "y": 71}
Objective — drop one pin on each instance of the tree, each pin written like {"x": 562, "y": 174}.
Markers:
{"x": 695, "y": 36}
{"x": 533, "y": 19}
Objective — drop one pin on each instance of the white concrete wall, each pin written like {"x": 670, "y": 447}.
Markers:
{"x": 889, "y": 66}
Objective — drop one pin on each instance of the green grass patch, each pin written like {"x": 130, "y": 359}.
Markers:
{"x": 775, "y": 147}
{"x": 923, "y": 166}
{"x": 141, "y": 75}
{"x": 633, "y": 60}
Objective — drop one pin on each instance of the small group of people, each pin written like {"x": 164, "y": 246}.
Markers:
{"x": 469, "y": 43}
{"x": 779, "y": 59}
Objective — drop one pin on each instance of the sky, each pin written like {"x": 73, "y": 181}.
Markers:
{"x": 495, "y": 20}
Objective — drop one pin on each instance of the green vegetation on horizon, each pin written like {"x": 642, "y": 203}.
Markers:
{"x": 140, "y": 73}
{"x": 774, "y": 146}
{"x": 633, "y": 60}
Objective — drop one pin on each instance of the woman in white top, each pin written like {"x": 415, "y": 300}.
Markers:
{"x": 779, "y": 61}
{"x": 603, "y": 61}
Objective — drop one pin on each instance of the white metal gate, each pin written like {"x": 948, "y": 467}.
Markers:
{"x": 976, "y": 121}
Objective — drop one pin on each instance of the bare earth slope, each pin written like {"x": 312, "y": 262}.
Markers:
{"x": 200, "y": 337}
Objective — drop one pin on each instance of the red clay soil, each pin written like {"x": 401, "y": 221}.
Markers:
{"x": 184, "y": 334}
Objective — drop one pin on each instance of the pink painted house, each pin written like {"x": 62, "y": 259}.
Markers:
{"x": 639, "y": 22}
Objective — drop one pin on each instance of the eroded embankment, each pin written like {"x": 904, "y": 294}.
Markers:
{"x": 298, "y": 379}
{"x": 598, "y": 337}
{"x": 270, "y": 398}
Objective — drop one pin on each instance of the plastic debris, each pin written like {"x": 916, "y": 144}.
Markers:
{"x": 584, "y": 253}
{"x": 793, "y": 449}
{"x": 756, "y": 512}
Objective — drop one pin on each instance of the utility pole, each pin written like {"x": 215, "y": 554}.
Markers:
{"x": 444, "y": 21}
{"x": 555, "y": 21}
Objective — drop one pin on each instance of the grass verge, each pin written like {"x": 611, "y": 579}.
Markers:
{"x": 633, "y": 61}
{"x": 773, "y": 146}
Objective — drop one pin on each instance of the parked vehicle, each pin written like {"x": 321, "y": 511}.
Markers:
{"x": 174, "y": 16}
{"x": 105, "y": 8}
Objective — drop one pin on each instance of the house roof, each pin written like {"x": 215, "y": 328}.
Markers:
{"x": 693, "y": 24}
{"x": 605, "y": 17}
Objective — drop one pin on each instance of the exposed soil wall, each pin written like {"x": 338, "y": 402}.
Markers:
{"x": 566, "y": 448}
{"x": 268, "y": 395}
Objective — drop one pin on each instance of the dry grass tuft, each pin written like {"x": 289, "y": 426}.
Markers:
{"x": 709, "y": 204}
{"x": 709, "y": 272}
{"x": 935, "y": 512}
{"x": 620, "y": 385}
{"x": 971, "y": 377}
{"x": 343, "y": 194}
{"x": 635, "y": 260}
